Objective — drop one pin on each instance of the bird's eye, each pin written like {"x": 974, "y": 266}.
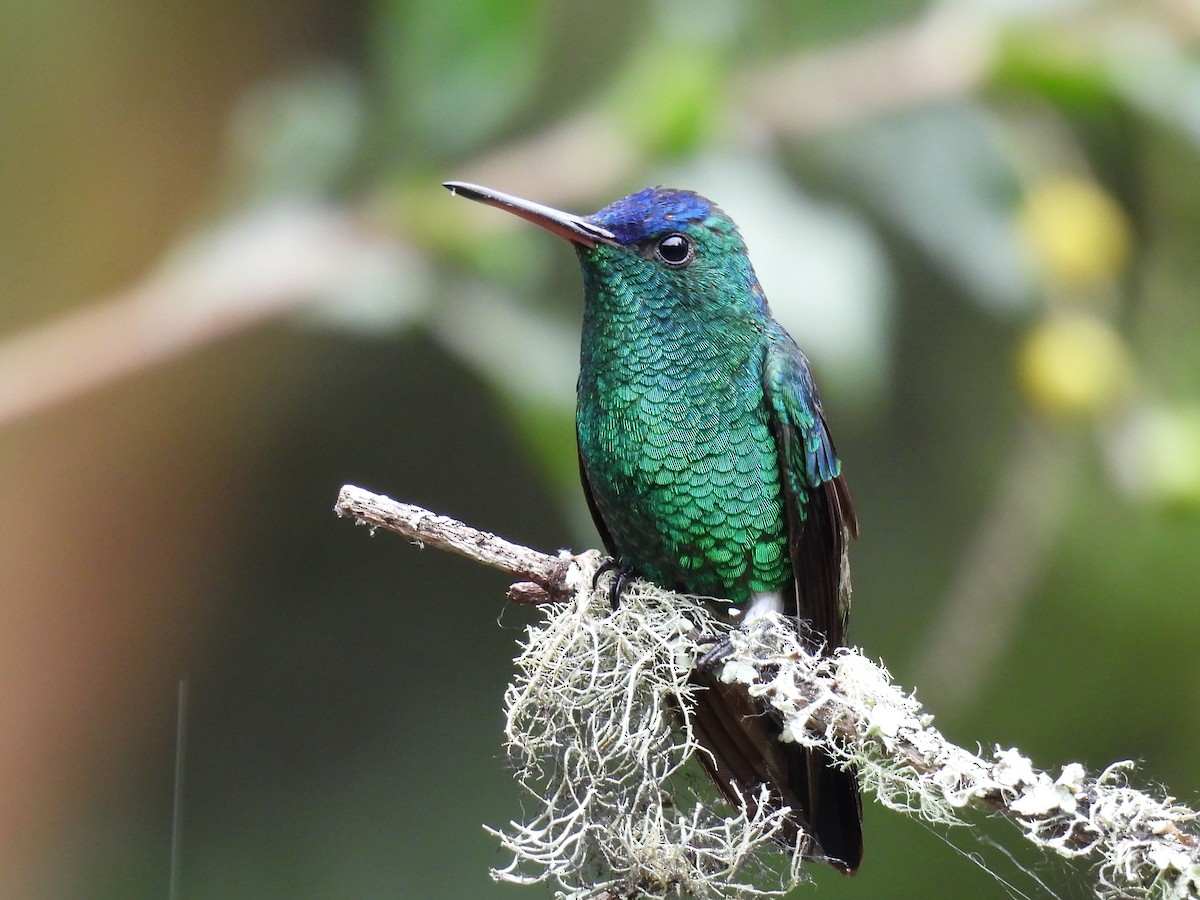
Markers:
{"x": 675, "y": 249}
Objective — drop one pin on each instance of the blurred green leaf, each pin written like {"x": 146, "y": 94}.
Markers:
{"x": 454, "y": 72}
{"x": 295, "y": 135}
{"x": 940, "y": 175}
{"x": 667, "y": 96}
{"x": 1069, "y": 74}
{"x": 1165, "y": 86}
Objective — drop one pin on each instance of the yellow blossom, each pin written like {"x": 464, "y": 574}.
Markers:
{"x": 1074, "y": 364}
{"x": 1077, "y": 232}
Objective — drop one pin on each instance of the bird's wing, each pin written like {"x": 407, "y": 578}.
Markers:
{"x": 820, "y": 514}
{"x": 820, "y": 519}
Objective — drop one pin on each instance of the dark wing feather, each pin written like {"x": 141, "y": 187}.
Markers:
{"x": 820, "y": 513}
{"x": 821, "y": 520}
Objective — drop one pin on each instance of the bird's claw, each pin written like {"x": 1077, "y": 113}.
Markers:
{"x": 624, "y": 574}
{"x": 721, "y": 650}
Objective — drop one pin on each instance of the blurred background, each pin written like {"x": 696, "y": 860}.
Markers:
{"x": 231, "y": 282}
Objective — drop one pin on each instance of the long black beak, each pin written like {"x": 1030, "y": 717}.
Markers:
{"x": 575, "y": 229}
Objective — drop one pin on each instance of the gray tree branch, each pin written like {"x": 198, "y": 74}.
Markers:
{"x": 546, "y": 574}
{"x": 594, "y": 735}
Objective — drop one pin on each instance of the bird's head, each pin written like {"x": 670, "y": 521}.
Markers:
{"x": 672, "y": 245}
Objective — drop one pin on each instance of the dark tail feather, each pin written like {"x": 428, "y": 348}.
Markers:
{"x": 832, "y": 809}
{"x": 743, "y": 741}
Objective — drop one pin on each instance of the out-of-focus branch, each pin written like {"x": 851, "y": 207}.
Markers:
{"x": 945, "y": 53}
{"x": 254, "y": 268}
{"x": 983, "y": 607}
{"x": 245, "y": 272}
{"x": 593, "y": 734}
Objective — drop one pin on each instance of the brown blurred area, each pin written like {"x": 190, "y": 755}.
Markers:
{"x": 115, "y": 504}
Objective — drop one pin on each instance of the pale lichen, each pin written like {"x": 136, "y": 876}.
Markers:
{"x": 596, "y": 729}
{"x": 598, "y": 732}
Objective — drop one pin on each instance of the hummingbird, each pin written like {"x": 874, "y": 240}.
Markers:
{"x": 709, "y": 469}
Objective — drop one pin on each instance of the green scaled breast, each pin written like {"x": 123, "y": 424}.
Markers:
{"x": 674, "y": 437}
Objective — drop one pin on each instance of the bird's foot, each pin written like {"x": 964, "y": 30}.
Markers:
{"x": 721, "y": 650}
{"x": 624, "y": 573}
